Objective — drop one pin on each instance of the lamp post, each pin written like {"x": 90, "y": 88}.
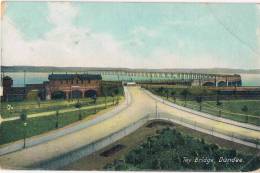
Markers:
{"x": 95, "y": 102}
{"x": 23, "y": 117}
{"x": 24, "y": 137}
{"x": 78, "y": 106}
{"x": 57, "y": 119}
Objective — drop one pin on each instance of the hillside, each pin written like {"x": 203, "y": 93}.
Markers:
{"x": 83, "y": 69}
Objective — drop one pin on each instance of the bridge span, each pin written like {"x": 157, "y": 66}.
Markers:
{"x": 181, "y": 78}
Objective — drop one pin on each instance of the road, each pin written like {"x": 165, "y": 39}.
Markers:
{"x": 141, "y": 104}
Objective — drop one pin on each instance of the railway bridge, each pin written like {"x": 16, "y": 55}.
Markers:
{"x": 186, "y": 78}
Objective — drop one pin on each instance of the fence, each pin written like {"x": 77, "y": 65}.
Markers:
{"x": 62, "y": 160}
{"x": 195, "y": 125}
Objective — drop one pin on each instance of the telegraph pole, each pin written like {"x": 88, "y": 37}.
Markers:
{"x": 24, "y": 76}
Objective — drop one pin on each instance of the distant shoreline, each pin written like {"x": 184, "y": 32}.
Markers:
{"x": 49, "y": 69}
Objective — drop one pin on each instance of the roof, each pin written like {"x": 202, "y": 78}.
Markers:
{"x": 73, "y": 76}
{"x": 7, "y": 78}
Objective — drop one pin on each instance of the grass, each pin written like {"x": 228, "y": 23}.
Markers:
{"x": 32, "y": 107}
{"x": 231, "y": 109}
{"x": 45, "y": 119}
{"x": 14, "y": 130}
{"x": 111, "y": 90}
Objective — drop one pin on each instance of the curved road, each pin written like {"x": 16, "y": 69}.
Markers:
{"x": 141, "y": 104}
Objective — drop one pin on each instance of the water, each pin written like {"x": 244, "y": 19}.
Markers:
{"x": 33, "y": 78}
{"x": 250, "y": 79}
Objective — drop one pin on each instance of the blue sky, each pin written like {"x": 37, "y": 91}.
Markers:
{"x": 143, "y": 35}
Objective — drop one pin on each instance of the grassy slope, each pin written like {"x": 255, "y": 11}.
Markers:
{"x": 231, "y": 109}
{"x": 32, "y": 107}
{"x": 14, "y": 130}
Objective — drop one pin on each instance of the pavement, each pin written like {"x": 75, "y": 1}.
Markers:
{"x": 141, "y": 104}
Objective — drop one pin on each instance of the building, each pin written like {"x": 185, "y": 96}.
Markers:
{"x": 59, "y": 86}
{"x": 65, "y": 86}
{"x": 11, "y": 93}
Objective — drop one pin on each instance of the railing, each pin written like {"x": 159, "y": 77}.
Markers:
{"x": 65, "y": 159}
{"x": 196, "y": 125}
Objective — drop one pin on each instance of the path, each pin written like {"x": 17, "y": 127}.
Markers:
{"x": 48, "y": 113}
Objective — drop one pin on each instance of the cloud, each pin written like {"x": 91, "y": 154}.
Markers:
{"x": 258, "y": 37}
{"x": 169, "y": 59}
{"x": 61, "y": 13}
{"x": 64, "y": 45}
{"x": 143, "y": 31}
{"x": 68, "y": 45}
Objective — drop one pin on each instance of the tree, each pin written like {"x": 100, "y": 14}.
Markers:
{"x": 199, "y": 101}
{"x": 105, "y": 100}
{"x": 160, "y": 90}
{"x": 95, "y": 101}
{"x": 173, "y": 93}
{"x": 117, "y": 93}
{"x": 57, "y": 119}
{"x": 23, "y": 118}
{"x": 217, "y": 98}
{"x": 167, "y": 93}
{"x": 245, "y": 109}
{"x": 219, "y": 104}
{"x": 105, "y": 95}
{"x": 78, "y": 106}
{"x": 39, "y": 101}
{"x": 113, "y": 96}
{"x": 185, "y": 92}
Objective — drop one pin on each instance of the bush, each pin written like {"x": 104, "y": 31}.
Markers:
{"x": 167, "y": 151}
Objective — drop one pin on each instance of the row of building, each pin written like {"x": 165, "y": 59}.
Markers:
{"x": 58, "y": 86}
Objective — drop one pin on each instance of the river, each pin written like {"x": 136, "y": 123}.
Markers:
{"x": 33, "y": 78}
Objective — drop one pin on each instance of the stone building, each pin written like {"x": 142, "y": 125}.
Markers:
{"x": 11, "y": 93}
{"x": 59, "y": 86}
{"x": 65, "y": 86}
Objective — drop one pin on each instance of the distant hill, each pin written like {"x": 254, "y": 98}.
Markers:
{"x": 84, "y": 69}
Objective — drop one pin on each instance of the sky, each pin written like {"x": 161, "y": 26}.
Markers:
{"x": 133, "y": 35}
